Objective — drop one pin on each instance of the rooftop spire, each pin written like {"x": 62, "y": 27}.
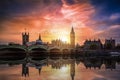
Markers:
{"x": 72, "y": 30}
{"x": 39, "y": 70}
{"x": 40, "y": 37}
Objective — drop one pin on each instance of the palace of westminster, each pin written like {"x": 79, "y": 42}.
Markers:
{"x": 57, "y": 42}
{"x": 88, "y": 44}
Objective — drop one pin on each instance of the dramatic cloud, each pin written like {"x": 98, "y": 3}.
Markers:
{"x": 54, "y": 18}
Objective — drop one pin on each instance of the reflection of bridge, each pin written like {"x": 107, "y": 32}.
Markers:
{"x": 87, "y": 62}
{"x": 35, "y": 48}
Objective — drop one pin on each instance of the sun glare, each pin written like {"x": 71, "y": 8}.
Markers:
{"x": 65, "y": 39}
{"x": 64, "y": 69}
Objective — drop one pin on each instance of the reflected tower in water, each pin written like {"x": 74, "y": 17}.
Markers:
{"x": 72, "y": 69}
{"x": 25, "y": 70}
{"x": 39, "y": 70}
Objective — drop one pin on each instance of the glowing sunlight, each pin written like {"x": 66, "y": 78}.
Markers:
{"x": 64, "y": 39}
{"x": 64, "y": 69}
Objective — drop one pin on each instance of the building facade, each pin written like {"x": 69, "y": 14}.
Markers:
{"x": 93, "y": 44}
{"x": 37, "y": 42}
{"x": 109, "y": 44}
{"x": 72, "y": 38}
{"x": 59, "y": 43}
{"x": 25, "y": 38}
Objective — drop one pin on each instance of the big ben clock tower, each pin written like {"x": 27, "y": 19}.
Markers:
{"x": 72, "y": 38}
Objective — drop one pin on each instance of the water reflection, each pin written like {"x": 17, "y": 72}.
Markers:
{"x": 62, "y": 64}
{"x": 71, "y": 67}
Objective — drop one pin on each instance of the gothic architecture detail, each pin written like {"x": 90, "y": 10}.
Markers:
{"x": 72, "y": 38}
{"x": 72, "y": 69}
{"x": 25, "y": 38}
{"x": 93, "y": 44}
{"x": 39, "y": 41}
{"x": 109, "y": 43}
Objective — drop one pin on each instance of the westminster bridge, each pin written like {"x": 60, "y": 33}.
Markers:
{"x": 41, "y": 51}
{"x": 34, "y": 51}
{"x": 33, "y": 47}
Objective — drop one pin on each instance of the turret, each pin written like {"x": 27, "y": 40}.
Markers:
{"x": 40, "y": 37}
{"x": 25, "y": 37}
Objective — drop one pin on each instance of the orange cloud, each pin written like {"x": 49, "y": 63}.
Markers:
{"x": 52, "y": 21}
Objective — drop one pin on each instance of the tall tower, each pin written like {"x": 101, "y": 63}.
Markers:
{"x": 39, "y": 37}
{"x": 25, "y": 38}
{"x": 72, "y": 38}
{"x": 72, "y": 69}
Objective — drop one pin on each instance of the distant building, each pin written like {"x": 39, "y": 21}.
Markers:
{"x": 37, "y": 42}
{"x": 109, "y": 44}
{"x": 118, "y": 46}
{"x": 25, "y": 38}
{"x": 72, "y": 38}
{"x": 59, "y": 43}
{"x": 95, "y": 44}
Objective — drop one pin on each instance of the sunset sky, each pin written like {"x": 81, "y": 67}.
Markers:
{"x": 53, "y": 19}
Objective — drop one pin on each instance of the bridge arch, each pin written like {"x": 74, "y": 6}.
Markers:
{"x": 12, "y": 53}
{"x": 38, "y": 52}
{"x": 37, "y": 48}
{"x": 55, "y": 50}
{"x": 13, "y": 48}
{"x": 65, "y": 51}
